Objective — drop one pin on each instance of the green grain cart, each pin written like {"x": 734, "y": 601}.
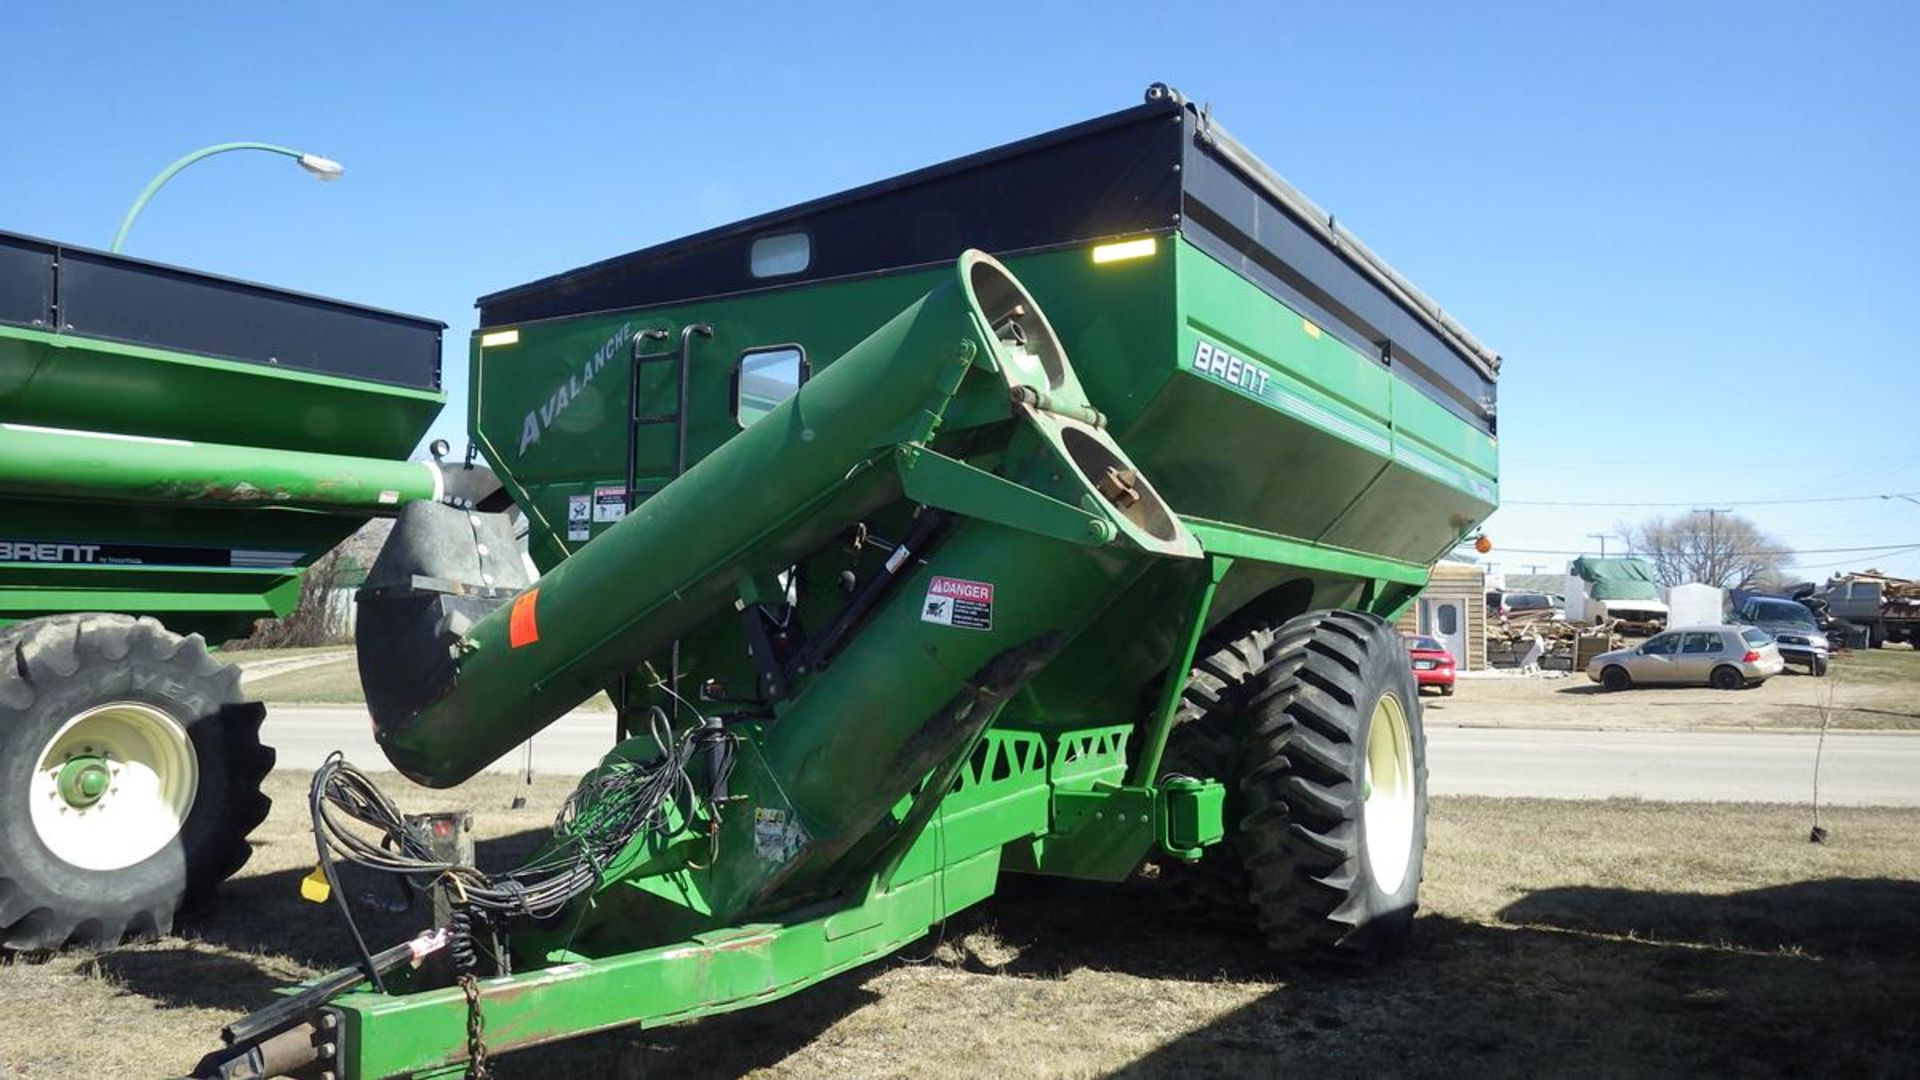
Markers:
{"x": 910, "y": 567}
{"x": 174, "y": 449}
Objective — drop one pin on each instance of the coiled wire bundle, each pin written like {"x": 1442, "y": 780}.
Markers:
{"x": 600, "y": 818}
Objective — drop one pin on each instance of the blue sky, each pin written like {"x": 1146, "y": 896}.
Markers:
{"x": 1692, "y": 229}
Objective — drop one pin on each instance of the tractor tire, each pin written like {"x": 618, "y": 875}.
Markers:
{"x": 1206, "y": 743}
{"x": 130, "y": 772}
{"x": 1333, "y": 788}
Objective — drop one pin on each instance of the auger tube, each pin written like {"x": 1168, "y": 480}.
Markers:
{"x": 808, "y": 470}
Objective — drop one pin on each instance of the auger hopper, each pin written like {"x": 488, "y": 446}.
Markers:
{"x": 909, "y": 566}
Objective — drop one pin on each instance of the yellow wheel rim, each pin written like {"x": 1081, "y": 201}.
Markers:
{"x": 1389, "y": 797}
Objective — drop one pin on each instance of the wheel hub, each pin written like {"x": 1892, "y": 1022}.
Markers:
{"x": 113, "y": 786}
{"x": 84, "y": 779}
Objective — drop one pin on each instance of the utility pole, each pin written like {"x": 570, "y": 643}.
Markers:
{"x": 1602, "y": 537}
{"x": 1712, "y": 568}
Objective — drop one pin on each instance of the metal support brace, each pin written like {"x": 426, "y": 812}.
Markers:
{"x": 1146, "y": 768}
{"x": 934, "y": 479}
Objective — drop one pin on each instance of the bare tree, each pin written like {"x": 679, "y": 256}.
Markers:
{"x": 320, "y": 617}
{"x": 313, "y": 620}
{"x": 1715, "y": 547}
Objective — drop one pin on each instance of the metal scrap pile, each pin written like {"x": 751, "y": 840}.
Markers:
{"x": 1899, "y": 597}
{"x": 1544, "y": 640}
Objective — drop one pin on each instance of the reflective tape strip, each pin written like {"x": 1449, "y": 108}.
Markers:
{"x": 521, "y": 628}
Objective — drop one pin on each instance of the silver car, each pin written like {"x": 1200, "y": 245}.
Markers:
{"x": 1723, "y": 657}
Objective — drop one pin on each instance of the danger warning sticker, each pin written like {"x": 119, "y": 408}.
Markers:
{"x": 609, "y": 503}
{"x": 958, "y": 602}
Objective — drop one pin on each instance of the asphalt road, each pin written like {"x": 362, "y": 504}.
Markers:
{"x": 304, "y": 735}
{"x": 1859, "y": 769}
{"x": 1856, "y": 768}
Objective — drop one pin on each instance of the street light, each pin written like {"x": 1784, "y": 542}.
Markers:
{"x": 325, "y": 169}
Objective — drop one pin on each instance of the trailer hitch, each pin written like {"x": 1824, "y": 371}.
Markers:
{"x": 298, "y": 1030}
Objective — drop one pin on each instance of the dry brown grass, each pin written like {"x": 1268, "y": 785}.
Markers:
{"x": 1584, "y": 938}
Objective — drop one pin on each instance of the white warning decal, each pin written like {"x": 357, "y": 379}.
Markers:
{"x": 958, "y": 602}
{"x": 776, "y": 838}
{"x": 579, "y": 518}
{"x": 609, "y": 503}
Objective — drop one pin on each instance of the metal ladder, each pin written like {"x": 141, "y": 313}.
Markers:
{"x": 683, "y": 360}
{"x": 682, "y": 357}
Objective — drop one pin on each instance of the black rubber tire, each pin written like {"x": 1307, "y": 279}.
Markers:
{"x": 1819, "y": 667}
{"x": 1303, "y": 834}
{"x": 55, "y": 668}
{"x": 1726, "y": 677}
{"x": 1206, "y": 743}
{"x": 1446, "y": 690}
{"x": 1876, "y": 636}
{"x": 1614, "y": 678}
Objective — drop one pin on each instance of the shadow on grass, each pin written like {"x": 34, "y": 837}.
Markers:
{"x": 731, "y": 1044}
{"x": 1775, "y": 981}
{"x": 1701, "y": 694}
{"x": 1867, "y": 919}
{"x": 175, "y": 977}
{"x": 264, "y": 913}
{"x": 1811, "y": 978}
{"x": 1588, "y": 689}
{"x": 1816, "y": 977}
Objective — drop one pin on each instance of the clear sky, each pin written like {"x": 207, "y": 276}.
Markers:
{"x": 1692, "y": 229}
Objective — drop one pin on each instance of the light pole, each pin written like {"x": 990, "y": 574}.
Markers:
{"x": 325, "y": 169}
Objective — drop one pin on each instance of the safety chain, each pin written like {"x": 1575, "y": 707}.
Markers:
{"x": 477, "y": 1066}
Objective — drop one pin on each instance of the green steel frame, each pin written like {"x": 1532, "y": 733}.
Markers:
{"x": 1044, "y": 790}
{"x": 1022, "y": 802}
{"x": 198, "y": 499}
{"x": 1306, "y": 473}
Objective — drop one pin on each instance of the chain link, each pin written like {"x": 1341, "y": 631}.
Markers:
{"x": 477, "y": 1065}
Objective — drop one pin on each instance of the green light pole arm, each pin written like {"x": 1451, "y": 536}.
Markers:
{"x": 168, "y": 173}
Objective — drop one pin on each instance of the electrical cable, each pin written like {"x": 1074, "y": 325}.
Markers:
{"x": 314, "y": 795}
{"x": 600, "y": 818}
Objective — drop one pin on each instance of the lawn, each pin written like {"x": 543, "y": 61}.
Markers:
{"x": 335, "y": 682}
{"x": 1559, "y": 938}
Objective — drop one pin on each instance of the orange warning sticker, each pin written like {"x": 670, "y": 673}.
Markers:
{"x": 521, "y": 628}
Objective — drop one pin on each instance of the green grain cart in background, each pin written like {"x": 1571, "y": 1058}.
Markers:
{"x": 911, "y": 566}
{"x": 174, "y": 449}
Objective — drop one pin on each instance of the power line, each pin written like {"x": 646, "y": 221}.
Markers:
{"x": 1782, "y": 550}
{"x": 1691, "y": 503}
{"x": 1843, "y": 562}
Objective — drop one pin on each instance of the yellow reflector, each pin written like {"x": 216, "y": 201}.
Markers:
{"x": 1125, "y": 249}
{"x": 1309, "y": 329}
{"x": 499, "y": 337}
{"x": 314, "y": 888}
